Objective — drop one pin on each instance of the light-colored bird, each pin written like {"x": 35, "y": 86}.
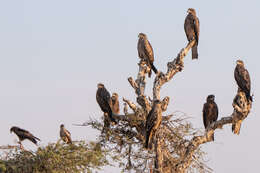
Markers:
{"x": 65, "y": 135}
{"x": 115, "y": 103}
{"x": 145, "y": 52}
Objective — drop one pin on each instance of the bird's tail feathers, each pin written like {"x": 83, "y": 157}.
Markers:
{"x": 154, "y": 68}
{"x": 194, "y": 52}
{"x": 249, "y": 97}
{"x": 236, "y": 127}
{"x": 36, "y": 138}
{"x": 212, "y": 137}
{"x": 146, "y": 141}
{"x": 150, "y": 73}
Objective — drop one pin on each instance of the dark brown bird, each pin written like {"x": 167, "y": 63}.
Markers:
{"x": 115, "y": 103}
{"x": 24, "y": 134}
{"x": 243, "y": 79}
{"x": 210, "y": 112}
{"x": 65, "y": 135}
{"x": 153, "y": 121}
{"x": 105, "y": 102}
{"x": 145, "y": 52}
{"x": 192, "y": 30}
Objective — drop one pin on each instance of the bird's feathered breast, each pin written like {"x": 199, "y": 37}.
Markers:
{"x": 145, "y": 50}
{"x": 242, "y": 78}
{"x": 192, "y": 27}
{"x": 210, "y": 113}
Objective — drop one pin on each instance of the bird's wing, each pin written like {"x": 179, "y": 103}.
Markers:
{"x": 150, "y": 120}
{"x": 67, "y": 132}
{"x": 215, "y": 111}
{"x": 205, "y": 114}
{"x": 140, "y": 48}
{"x": 149, "y": 51}
{"x": 196, "y": 28}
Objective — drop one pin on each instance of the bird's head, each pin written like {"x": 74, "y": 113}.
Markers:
{"x": 62, "y": 126}
{"x": 12, "y": 129}
{"x": 210, "y": 98}
{"x": 114, "y": 96}
{"x": 192, "y": 11}
{"x": 141, "y": 35}
{"x": 100, "y": 85}
{"x": 240, "y": 62}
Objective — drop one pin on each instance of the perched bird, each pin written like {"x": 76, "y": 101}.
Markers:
{"x": 105, "y": 102}
{"x": 115, "y": 103}
{"x": 23, "y": 134}
{"x": 145, "y": 52}
{"x": 243, "y": 79}
{"x": 192, "y": 30}
{"x": 65, "y": 135}
{"x": 210, "y": 112}
{"x": 153, "y": 121}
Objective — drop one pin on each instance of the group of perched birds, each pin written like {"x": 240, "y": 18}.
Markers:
{"x": 24, "y": 134}
{"x": 110, "y": 105}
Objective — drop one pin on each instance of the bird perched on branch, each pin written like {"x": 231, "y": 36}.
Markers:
{"x": 145, "y": 52}
{"x": 153, "y": 121}
{"x": 192, "y": 30}
{"x": 24, "y": 134}
{"x": 105, "y": 102}
{"x": 65, "y": 135}
{"x": 243, "y": 79}
{"x": 210, "y": 112}
{"x": 115, "y": 103}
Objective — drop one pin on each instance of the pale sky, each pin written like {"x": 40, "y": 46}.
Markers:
{"x": 53, "y": 54}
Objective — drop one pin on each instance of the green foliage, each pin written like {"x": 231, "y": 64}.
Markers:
{"x": 56, "y": 158}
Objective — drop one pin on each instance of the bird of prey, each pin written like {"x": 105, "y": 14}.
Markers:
{"x": 243, "y": 79}
{"x": 105, "y": 102}
{"x": 65, "y": 135}
{"x": 115, "y": 103}
{"x": 153, "y": 121}
{"x": 192, "y": 30}
{"x": 23, "y": 134}
{"x": 210, "y": 112}
{"x": 145, "y": 52}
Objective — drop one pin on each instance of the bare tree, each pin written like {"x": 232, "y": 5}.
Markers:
{"x": 175, "y": 146}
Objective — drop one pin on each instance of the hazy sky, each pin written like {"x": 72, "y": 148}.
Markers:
{"x": 53, "y": 54}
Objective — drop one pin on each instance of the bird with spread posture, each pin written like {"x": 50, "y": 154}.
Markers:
{"x": 243, "y": 79}
{"x": 65, "y": 135}
{"x": 210, "y": 112}
{"x": 153, "y": 121}
{"x": 192, "y": 30}
{"x": 105, "y": 102}
{"x": 23, "y": 134}
{"x": 145, "y": 52}
{"x": 115, "y": 103}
